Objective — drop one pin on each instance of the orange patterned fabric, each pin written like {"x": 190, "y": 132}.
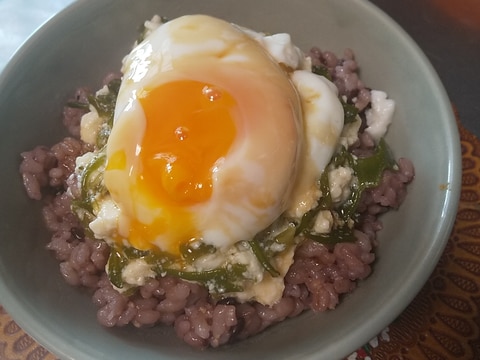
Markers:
{"x": 15, "y": 344}
{"x": 443, "y": 321}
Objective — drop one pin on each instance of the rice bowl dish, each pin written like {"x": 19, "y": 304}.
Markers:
{"x": 206, "y": 313}
{"x": 310, "y": 224}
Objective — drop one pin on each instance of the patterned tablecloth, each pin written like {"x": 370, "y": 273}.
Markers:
{"x": 442, "y": 322}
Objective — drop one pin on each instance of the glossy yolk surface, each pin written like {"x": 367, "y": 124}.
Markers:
{"x": 189, "y": 127}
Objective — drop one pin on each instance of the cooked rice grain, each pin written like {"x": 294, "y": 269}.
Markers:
{"x": 318, "y": 278}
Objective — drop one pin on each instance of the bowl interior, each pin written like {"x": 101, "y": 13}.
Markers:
{"x": 89, "y": 39}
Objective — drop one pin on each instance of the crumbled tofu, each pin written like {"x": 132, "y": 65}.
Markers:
{"x": 277, "y": 247}
{"x": 90, "y": 126}
{"x": 323, "y": 222}
{"x": 152, "y": 24}
{"x": 269, "y": 290}
{"x": 380, "y": 115}
{"x": 282, "y": 49}
{"x": 137, "y": 272}
{"x": 263, "y": 287}
{"x": 103, "y": 91}
{"x": 350, "y": 133}
{"x": 340, "y": 180}
{"x": 106, "y": 222}
{"x": 83, "y": 160}
{"x": 238, "y": 254}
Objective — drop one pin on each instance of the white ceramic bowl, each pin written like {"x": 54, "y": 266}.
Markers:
{"x": 87, "y": 40}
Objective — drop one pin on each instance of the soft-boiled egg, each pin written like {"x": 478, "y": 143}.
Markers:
{"x": 207, "y": 137}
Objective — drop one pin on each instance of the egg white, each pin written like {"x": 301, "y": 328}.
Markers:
{"x": 323, "y": 118}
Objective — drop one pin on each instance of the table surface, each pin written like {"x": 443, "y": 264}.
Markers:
{"x": 447, "y": 31}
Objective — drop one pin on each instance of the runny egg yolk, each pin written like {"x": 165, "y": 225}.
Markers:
{"x": 189, "y": 127}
